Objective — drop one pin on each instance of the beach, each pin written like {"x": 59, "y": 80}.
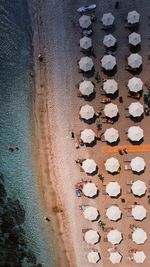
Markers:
{"x": 57, "y": 114}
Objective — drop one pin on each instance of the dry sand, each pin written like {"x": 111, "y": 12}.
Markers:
{"x": 57, "y": 113}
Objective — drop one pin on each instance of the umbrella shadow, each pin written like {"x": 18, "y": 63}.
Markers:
{"x": 137, "y": 142}
{"x": 136, "y": 71}
{"x": 137, "y": 119}
{"x": 110, "y": 73}
{"x": 96, "y": 218}
{"x": 93, "y": 173}
{"x": 90, "y": 97}
{"x": 97, "y": 194}
{"x": 116, "y": 197}
{"x": 114, "y": 143}
{"x": 90, "y": 121}
{"x": 139, "y": 173}
{"x": 113, "y": 96}
{"x": 135, "y": 49}
{"x": 88, "y": 74}
{"x": 91, "y": 144}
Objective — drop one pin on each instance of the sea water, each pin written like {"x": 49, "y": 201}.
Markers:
{"x": 16, "y": 109}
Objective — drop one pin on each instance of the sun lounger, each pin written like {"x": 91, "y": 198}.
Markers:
{"x": 108, "y": 229}
{"x": 129, "y": 191}
{"x": 84, "y": 230}
{"x": 127, "y": 159}
{"x": 127, "y": 115}
{"x": 127, "y": 167}
{"x": 126, "y": 107}
{"x": 78, "y": 192}
{"x": 103, "y": 138}
{"x": 129, "y": 182}
{"x": 129, "y": 214}
{"x": 130, "y": 236}
{"x": 104, "y": 192}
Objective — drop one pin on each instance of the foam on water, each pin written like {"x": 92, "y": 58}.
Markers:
{"x": 16, "y": 98}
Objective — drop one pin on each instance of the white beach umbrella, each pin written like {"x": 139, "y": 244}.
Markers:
{"x": 112, "y": 165}
{"x": 91, "y": 237}
{"x": 135, "y": 133}
{"x": 135, "y": 84}
{"x": 93, "y": 257}
{"x": 133, "y": 17}
{"x": 136, "y": 109}
{"x": 86, "y": 64}
{"x": 89, "y": 166}
{"x": 138, "y": 164}
{"x": 115, "y": 257}
{"x": 108, "y": 19}
{"x": 110, "y": 86}
{"x": 135, "y": 61}
{"x": 139, "y": 236}
{"x": 91, "y": 213}
{"x": 139, "y": 212}
{"x": 109, "y": 40}
{"x": 86, "y": 88}
{"x": 88, "y": 136}
{"x": 134, "y": 38}
{"x": 139, "y": 256}
{"x": 113, "y": 189}
{"x": 85, "y": 42}
{"x": 85, "y": 21}
{"x": 114, "y": 236}
{"x": 111, "y": 135}
{"x": 89, "y": 189}
{"x": 113, "y": 213}
{"x": 138, "y": 188}
{"x": 108, "y": 62}
{"x": 111, "y": 110}
{"x": 87, "y": 112}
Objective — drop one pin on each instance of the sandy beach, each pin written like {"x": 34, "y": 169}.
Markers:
{"x": 57, "y": 114}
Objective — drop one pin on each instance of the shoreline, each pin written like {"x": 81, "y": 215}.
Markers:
{"x": 44, "y": 160}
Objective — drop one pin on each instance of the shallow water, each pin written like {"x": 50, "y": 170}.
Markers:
{"x": 16, "y": 99}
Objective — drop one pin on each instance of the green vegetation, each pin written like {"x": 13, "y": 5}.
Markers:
{"x": 14, "y": 251}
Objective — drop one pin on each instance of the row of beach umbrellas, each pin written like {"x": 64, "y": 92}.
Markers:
{"x": 108, "y": 62}
{"x": 110, "y": 41}
{"x": 115, "y": 257}
{"x": 114, "y": 213}
{"x": 113, "y": 189}
{"x": 108, "y": 19}
{"x": 110, "y": 86}
{"x": 112, "y": 165}
{"x": 111, "y": 135}
{"x": 87, "y": 112}
{"x": 115, "y": 237}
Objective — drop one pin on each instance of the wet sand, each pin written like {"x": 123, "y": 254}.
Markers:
{"x": 57, "y": 113}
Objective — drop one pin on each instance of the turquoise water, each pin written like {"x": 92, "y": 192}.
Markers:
{"x": 16, "y": 102}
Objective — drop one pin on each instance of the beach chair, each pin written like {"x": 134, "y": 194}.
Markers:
{"x": 104, "y": 192}
{"x": 127, "y": 115}
{"x": 127, "y": 159}
{"x": 129, "y": 236}
{"x": 127, "y": 167}
{"x": 129, "y": 214}
{"x": 128, "y": 191}
{"x": 126, "y": 107}
{"x": 129, "y": 182}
